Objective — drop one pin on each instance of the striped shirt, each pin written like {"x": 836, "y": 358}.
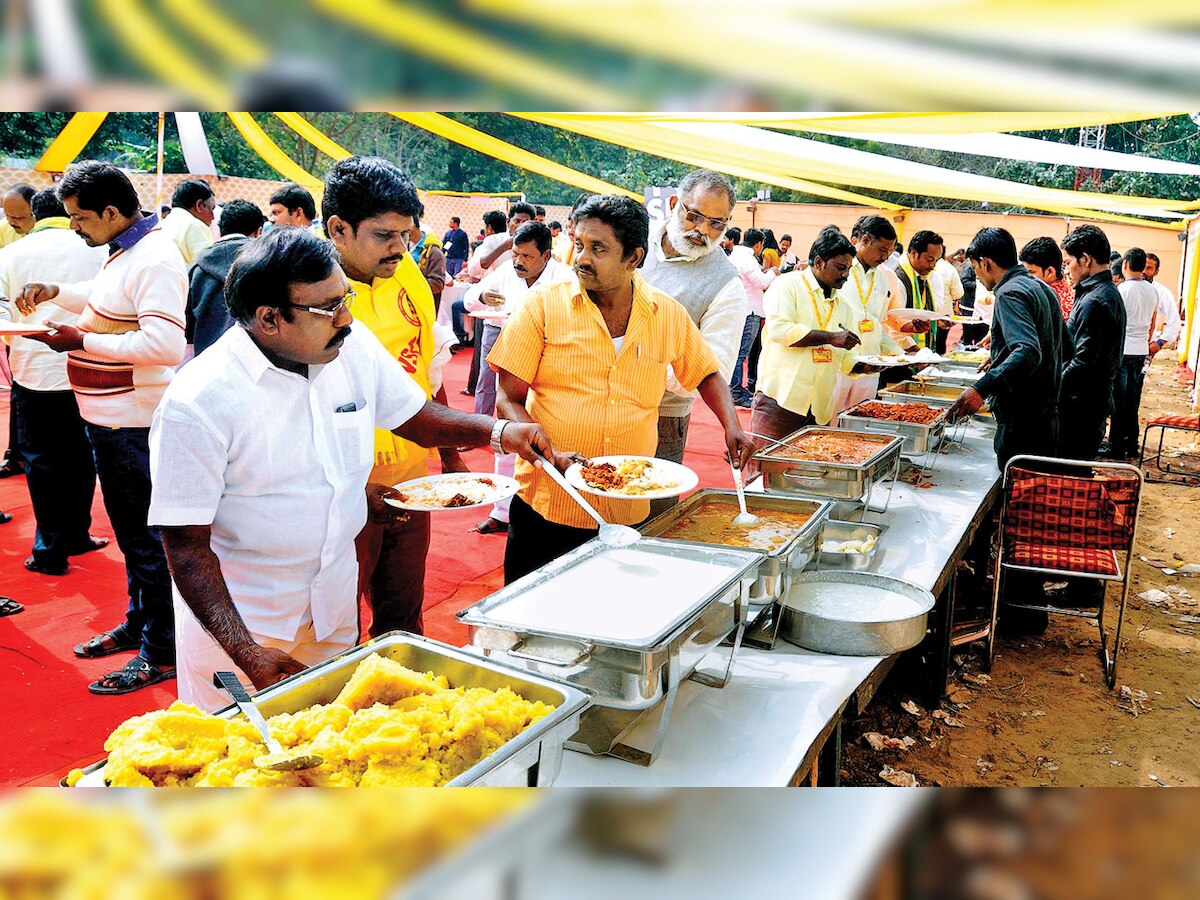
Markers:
{"x": 590, "y": 397}
{"x": 132, "y": 314}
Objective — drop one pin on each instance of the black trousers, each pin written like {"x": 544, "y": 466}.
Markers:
{"x": 533, "y": 541}
{"x": 59, "y": 471}
{"x": 1025, "y": 435}
{"x": 1124, "y": 436}
{"x": 1081, "y": 429}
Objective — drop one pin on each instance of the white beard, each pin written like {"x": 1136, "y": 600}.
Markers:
{"x": 679, "y": 236}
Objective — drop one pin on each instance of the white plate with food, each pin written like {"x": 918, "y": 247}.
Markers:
{"x": 488, "y": 315}
{"x": 632, "y": 477}
{"x": 22, "y": 329}
{"x": 967, "y": 320}
{"x": 916, "y": 315}
{"x": 453, "y": 490}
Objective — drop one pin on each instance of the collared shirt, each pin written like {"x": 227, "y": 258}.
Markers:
{"x": 189, "y": 233}
{"x": 1097, "y": 329}
{"x": 754, "y": 279}
{"x": 456, "y": 243}
{"x": 1028, "y": 337}
{"x": 867, "y": 294}
{"x": 503, "y": 279}
{"x": 264, "y": 457}
{"x": 590, "y": 397}
{"x": 947, "y": 286}
{"x": 399, "y": 311}
{"x": 133, "y": 314}
{"x": 1141, "y": 302}
{"x": 1168, "y": 314}
{"x": 803, "y": 380}
{"x": 918, "y": 292}
{"x": 8, "y": 234}
{"x": 50, "y": 252}
{"x": 896, "y": 300}
{"x": 487, "y": 245}
{"x": 1066, "y": 296}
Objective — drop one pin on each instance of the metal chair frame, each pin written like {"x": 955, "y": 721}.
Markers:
{"x": 1182, "y": 476}
{"x": 1108, "y": 660}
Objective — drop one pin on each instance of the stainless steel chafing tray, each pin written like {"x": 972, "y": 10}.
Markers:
{"x": 838, "y": 532}
{"x": 919, "y": 440}
{"x": 625, "y": 623}
{"x": 958, "y": 374}
{"x": 532, "y": 759}
{"x": 935, "y": 393}
{"x": 835, "y": 480}
{"x": 776, "y": 566}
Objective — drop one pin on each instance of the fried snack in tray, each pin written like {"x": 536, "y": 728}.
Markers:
{"x": 389, "y": 726}
{"x": 825, "y": 446}
{"x": 913, "y": 413}
{"x": 244, "y": 844}
{"x": 630, "y": 476}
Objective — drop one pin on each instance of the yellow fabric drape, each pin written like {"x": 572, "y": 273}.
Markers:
{"x": 475, "y": 193}
{"x": 452, "y": 44}
{"x": 1189, "y": 298}
{"x": 160, "y": 53}
{"x": 70, "y": 142}
{"x": 726, "y": 149}
{"x": 220, "y": 33}
{"x": 261, "y": 144}
{"x": 313, "y": 135}
{"x": 501, "y": 150}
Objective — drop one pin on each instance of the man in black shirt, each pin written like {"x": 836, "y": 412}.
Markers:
{"x": 1025, "y": 369}
{"x": 457, "y": 247}
{"x": 1097, "y": 334}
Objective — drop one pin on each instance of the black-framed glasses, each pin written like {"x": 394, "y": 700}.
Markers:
{"x": 694, "y": 218}
{"x": 329, "y": 312}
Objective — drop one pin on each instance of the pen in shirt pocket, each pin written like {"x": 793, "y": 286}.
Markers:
{"x": 347, "y": 407}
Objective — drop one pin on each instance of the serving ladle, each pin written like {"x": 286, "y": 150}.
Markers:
{"x": 744, "y": 518}
{"x": 611, "y": 535}
{"x": 277, "y": 759}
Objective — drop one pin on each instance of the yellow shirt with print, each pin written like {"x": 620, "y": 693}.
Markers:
{"x": 399, "y": 311}
{"x": 795, "y": 377}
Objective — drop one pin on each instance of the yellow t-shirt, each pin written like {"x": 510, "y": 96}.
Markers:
{"x": 8, "y": 234}
{"x": 400, "y": 312}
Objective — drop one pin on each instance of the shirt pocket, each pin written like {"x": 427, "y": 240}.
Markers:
{"x": 354, "y": 439}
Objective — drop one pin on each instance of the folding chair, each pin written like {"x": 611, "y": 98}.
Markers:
{"x": 1064, "y": 518}
{"x": 1179, "y": 473}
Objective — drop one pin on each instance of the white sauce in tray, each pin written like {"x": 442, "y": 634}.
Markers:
{"x": 623, "y": 595}
{"x": 853, "y": 603}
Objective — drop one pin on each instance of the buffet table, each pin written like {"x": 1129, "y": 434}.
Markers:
{"x": 781, "y": 707}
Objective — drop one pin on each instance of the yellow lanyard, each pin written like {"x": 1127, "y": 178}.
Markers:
{"x": 863, "y": 298}
{"x": 812, "y": 295}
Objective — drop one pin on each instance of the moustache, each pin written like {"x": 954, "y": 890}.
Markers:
{"x": 521, "y": 269}
{"x": 391, "y": 259}
{"x": 583, "y": 270}
{"x": 341, "y": 335}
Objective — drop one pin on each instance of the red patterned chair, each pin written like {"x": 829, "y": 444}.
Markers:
{"x": 1180, "y": 474}
{"x": 1065, "y": 518}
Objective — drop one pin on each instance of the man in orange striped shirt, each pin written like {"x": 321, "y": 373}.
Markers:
{"x": 588, "y": 361}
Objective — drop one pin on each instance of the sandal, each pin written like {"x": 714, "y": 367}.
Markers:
{"x": 9, "y": 607}
{"x": 120, "y": 642}
{"x": 92, "y": 544}
{"x": 41, "y": 567}
{"x": 491, "y": 526}
{"x": 138, "y": 673}
{"x": 5, "y": 518}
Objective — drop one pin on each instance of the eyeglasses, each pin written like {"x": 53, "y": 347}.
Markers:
{"x": 329, "y": 312}
{"x": 694, "y": 218}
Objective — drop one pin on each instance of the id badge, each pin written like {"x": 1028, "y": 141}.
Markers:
{"x": 866, "y": 326}
{"x": 822, "y": 355}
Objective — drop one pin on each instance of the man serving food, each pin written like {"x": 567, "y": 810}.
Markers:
{"x": 588, "y": 360}
{"x": 260, "y": 455}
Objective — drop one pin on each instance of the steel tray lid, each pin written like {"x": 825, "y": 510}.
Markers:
{"x": 633, "y": 597}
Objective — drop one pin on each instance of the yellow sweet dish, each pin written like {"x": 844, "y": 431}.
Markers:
{"x": 389, "y": 726}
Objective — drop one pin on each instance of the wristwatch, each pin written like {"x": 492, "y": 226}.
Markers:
{"x": 497, "y": 440}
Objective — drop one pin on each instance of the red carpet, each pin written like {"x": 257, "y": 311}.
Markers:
{"x": 50, "y": 721}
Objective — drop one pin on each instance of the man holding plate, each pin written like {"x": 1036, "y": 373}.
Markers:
{"x": 260, "y": 453}
{"x": 588, "y": 360}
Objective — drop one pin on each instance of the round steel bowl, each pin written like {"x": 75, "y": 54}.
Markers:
{"x": 804, "y": 623}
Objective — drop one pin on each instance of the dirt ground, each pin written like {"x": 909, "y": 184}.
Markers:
{"x": 1044, "y": 715}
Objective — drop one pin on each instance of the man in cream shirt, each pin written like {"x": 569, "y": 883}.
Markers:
{"x": 189, "y": 223}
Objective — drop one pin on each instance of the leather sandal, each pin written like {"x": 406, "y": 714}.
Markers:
{"x": 121, "y": 642}
{"x": 41, "y": 567}
{"x": 9, "y": 607}
{"x": 136, "y": 674}
{"x": 491, "y": 526}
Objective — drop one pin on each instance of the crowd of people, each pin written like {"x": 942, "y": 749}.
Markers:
{"x": 289, "y": 369}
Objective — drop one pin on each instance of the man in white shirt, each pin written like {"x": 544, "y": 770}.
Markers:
{"x": 497, "y": 246}
{"x": 1141, "y": 305}
{"x": 501, "y": 293}
{"x": 59, "y": 470}
{"x": 683, "y": 261}
{"x": 948, "y": 291}
{"x": 1167, "y": 316}
{"x": 261, "y": 453}
{"x": 292, "y": 205}
{"x": 754, "y": 282}
{"x": 189, "y": 223}
{"x": 120, "y": 357}
{"x": 17, "y": 222}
